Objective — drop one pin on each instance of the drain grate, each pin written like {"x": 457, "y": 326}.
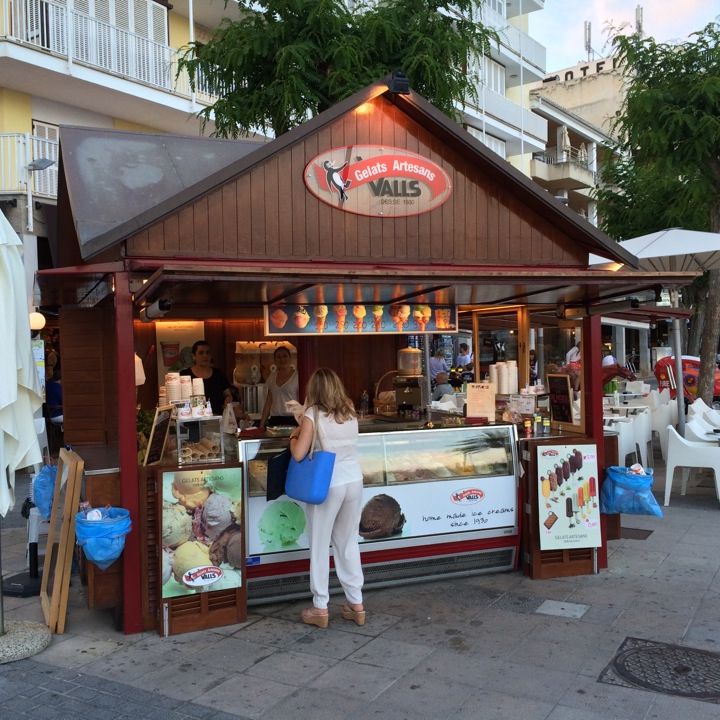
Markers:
{"x": 634, "y": 533}
{"x": 669, "y": 669}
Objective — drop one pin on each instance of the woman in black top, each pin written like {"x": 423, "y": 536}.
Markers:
{"x": 217, "y": 386}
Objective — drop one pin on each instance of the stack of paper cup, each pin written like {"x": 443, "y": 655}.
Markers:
{"x": 503, "y": 385}
{"x": 185, "y": 387}
{"x": 493, "y": 375}
{"x": 198, "y": 386}
{"x": 162, "y": 396}
{"x": 512, "y": 376}
{"x": 172, "y": 387}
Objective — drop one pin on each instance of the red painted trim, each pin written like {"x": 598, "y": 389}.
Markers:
{"x": 127, "y": 443}
{"x": 592, "y": 401}
{"x": 383, "y": 556}
{"x": 110, "y": 267}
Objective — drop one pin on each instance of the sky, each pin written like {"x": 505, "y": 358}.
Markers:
{"x": 559, "y": 27}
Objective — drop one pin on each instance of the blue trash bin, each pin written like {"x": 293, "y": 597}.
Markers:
{"x": 103, "y": 540}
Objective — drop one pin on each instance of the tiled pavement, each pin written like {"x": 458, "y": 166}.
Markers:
{"x": 491, "y": 646}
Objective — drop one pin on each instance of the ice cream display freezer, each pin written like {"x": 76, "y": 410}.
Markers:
{"x": 435, "y": 501}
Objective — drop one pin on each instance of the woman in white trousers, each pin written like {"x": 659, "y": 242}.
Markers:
{"x": 337, "y": 519}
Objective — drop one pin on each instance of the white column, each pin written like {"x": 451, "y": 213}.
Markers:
{"x": 618, "y": 334}
{"x": 644, "y": 353}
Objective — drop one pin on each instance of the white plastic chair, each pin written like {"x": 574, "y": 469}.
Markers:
{"x": 635, "y": 386}
{"x": 686, "y": 454}
{"x": 625, "y": 429}
{"x": 660, "y": 418}
{"x": 697, "y": 432}
{"x": 698, "y": 407}
{"x": 712, "y": 416}
{"x": 665, "y": 395}
{"x": 642, "y": 425}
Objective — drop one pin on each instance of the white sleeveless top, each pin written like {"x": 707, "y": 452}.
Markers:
{"x": 342, "y": 439}
{"x": 289, "y": 390}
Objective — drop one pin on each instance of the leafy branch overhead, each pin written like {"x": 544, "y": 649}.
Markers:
{"x": 669, "y": 172}
{"x": 283, "y": 61}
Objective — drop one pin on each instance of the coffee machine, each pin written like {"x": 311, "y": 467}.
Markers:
{"x": 411, "y": 395}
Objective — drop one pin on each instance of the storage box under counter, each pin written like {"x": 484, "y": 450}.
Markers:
{"x": 200, "y": 440}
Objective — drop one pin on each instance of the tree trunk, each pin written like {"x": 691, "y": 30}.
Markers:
{"x": 697, "y": 323}
{"x": 711, "y": 334}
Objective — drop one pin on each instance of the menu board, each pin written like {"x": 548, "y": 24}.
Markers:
{"x": 567, "y": 487}
{"x": 560, "y": 398}
{"x": 481, "y": 400}
{"x": 158, "y": 435}
{"x": 340, "y": 319}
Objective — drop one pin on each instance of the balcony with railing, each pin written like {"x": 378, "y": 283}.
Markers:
{"x": 567, "y": 168}
{"x": 22, "y": 161}
{"x": 64, "y": 32}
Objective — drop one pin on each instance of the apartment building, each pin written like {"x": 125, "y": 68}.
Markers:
{"x": 96, "y": 63}
{"x": 579, "y": 104}
{"x": 502, "y": 118}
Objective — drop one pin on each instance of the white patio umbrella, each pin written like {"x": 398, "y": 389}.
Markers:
{"x": 19, "y": 384}
{"x": 670, "y": 250}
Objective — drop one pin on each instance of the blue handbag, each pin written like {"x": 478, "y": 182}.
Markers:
{"x": 309, "y": 480}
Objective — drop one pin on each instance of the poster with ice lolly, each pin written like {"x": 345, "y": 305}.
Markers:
{"x": 202, "y": 536}
{"x": 568, "y": 505}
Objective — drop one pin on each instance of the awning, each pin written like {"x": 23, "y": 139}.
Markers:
{"x": 219, "y": 289}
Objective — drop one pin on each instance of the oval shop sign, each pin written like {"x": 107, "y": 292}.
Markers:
{"x": 378, "y": 181}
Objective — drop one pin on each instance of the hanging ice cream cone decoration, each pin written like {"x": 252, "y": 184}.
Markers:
{"x": 302, "y": 317}
{"x": 359, "y": 313}
{"x": 421, "y": 316}
{"x": 320, "y": 313}
{"x": 399, "y": 315}
{"x": 341, "y": 312}
{"x": 378, "y": 317}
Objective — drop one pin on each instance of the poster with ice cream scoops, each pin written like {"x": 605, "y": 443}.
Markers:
{"x": 359, "y": 318}
{"x": 568, "y": 505}
{"x": 202, "y": 537}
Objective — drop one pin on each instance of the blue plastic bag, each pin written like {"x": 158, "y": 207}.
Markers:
{"x": 103, "y": 540}
{"x": 626, "y": 492}
{"x": 43, "y": 489}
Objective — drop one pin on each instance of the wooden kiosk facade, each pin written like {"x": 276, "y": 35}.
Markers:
{"x": 223, "y": 229}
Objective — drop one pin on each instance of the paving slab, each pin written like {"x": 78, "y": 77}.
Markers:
{"x": 356, "y": 680}
{"x": 291, "y": 668}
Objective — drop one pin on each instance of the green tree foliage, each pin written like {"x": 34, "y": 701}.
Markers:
{"x": 283, "y": 61}
{"x": 669, "y": 173}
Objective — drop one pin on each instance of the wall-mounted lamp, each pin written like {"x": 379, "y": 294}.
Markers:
{"x": 40, "y": 164}
{"x": 159, "y": 309}
{"x": 37, "y": 321}
{"x": 399, "y": 83}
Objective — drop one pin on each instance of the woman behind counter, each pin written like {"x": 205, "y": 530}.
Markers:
{"x": 337, "y": 519}
{"x": 282, "y": 386}
{"x": 217, "y": 386}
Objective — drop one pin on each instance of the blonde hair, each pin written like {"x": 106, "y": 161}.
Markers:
{"x": 325, "y": 390}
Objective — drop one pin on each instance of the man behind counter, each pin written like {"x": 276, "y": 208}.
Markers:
{"x": 217, "y": 386}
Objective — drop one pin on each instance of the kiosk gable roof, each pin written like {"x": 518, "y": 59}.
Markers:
{"x": 163, "y": 195}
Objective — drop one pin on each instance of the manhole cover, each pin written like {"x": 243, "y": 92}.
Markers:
{"x": 669, "y": 669}
{"x": 525, "y": 604}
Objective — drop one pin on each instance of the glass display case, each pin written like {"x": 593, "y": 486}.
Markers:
{"x": 200, "y": 440}
{"x": 420, "y": 487}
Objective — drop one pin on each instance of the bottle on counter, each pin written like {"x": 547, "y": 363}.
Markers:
{"x": 546, "y": 426}
{"x": 364, "y": 403}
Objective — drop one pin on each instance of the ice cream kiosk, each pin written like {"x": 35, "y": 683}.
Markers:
{"x": 432, "y": 233}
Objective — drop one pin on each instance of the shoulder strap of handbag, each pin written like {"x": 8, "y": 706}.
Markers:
{"x": 316, "y": 429}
